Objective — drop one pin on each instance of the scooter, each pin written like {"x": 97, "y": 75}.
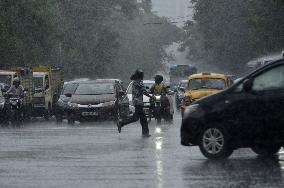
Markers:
{"x": 14, "y": 110}
{"x": 160, "y": 108}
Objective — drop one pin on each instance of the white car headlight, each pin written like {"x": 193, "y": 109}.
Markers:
{"x": 72, "y": 105}
{"x": 194, "y": 111}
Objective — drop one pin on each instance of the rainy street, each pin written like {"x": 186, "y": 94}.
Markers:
{"x": 46, "y": 154}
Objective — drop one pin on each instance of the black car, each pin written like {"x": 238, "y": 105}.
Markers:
{"x": 98, "y": 100}
{"x": 180, "y": 92}
{"x": 249, "y": 114}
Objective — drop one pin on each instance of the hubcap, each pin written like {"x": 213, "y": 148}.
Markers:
{"x": 213, "y": 140}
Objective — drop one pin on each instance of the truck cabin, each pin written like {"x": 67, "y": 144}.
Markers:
{"x": 40, "y": 82}
{"x": 6, "y": 77}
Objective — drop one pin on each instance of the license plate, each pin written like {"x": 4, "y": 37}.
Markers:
{"x": 89, "y": 113}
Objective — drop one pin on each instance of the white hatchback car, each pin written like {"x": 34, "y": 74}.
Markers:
{"x": 148, "y": 84}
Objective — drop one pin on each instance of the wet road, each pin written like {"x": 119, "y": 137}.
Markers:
{"x": 44, "y": 154}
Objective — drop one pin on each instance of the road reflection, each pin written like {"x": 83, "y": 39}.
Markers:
{"x": 158, "y": 156}
{"x": 256, "y": 172}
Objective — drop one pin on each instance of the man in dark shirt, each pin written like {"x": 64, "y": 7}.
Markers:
{"x": 138, "y": 90}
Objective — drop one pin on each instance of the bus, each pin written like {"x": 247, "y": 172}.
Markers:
{"x": 180, "y": 72}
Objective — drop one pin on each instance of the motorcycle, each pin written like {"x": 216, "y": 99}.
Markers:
{"x": 14, "y": 110}
{"x": 160, "y": 108}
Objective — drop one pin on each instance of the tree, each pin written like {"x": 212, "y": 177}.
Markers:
{"x": 230, "y": 33}
{"x": 27, "y": 32}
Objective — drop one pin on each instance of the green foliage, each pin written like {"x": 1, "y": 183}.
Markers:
{"x": 88, "y": 38}
{"x": 230, "y": 33}
{"x": 27, "y": 32}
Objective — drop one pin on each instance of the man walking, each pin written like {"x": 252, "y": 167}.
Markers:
{"x": 138, "y": 90}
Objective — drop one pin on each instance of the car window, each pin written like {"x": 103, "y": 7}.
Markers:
{"x": 129, "y": 90}
{"x": 69, "y": 88}
{"x": 38, "y": 83}
{"x": 269, "y": 80}
{"x": 209, "y": 83}
{"x": 94, "y": 89}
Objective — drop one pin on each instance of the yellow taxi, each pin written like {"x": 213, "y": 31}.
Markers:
{"x": 203, "y": 84}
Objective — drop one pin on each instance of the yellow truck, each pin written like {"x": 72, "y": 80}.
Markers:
{"x": 47, "y": 85}
{"x": 202, "y": 85}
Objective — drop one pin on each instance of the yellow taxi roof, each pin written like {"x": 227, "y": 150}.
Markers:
{"x": 208, "y": 75}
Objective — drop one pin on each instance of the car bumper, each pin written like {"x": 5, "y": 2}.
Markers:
{"x": 92, "y": 113}
{"x": 189, "y": 132}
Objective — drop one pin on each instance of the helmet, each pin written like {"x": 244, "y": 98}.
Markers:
{"x": 139, "y": 74}
{"x": 16, "y": 80}
{"x": 159, "y": 79}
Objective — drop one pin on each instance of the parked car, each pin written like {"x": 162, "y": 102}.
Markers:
{"x": 180, "y": 92}
{"x": 97, "y": 100}
{"x": 247, "y": 115}
{"x": 68, "y": 90}
{"x": 146, "y": 100}
{"x": 202, "y": 85}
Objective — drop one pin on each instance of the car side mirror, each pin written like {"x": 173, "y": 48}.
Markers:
{"x": 247, "y": 85}
{"x": 68, "y": 95}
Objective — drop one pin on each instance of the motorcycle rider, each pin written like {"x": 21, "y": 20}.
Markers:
{"x": 159, "y": 88}
{"x": 138, "y": 90}
{"x": 16, "y": 90}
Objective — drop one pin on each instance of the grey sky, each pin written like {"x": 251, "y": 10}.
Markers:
{"x": 176, "y": 10}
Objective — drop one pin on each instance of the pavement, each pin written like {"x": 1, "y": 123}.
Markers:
{"x": 47, "y": 154}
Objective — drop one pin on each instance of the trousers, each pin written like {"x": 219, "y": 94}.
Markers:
{"x": 139, "y": 114}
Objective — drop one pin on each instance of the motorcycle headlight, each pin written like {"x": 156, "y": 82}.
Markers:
{"x": 13, "y": 102}
{"x": 158, "y": 98}
{"x": 110, "y": 103}
{"x": 72, "y": 105}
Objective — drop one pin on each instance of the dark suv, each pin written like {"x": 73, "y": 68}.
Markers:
{"x": 250, "y": 114}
